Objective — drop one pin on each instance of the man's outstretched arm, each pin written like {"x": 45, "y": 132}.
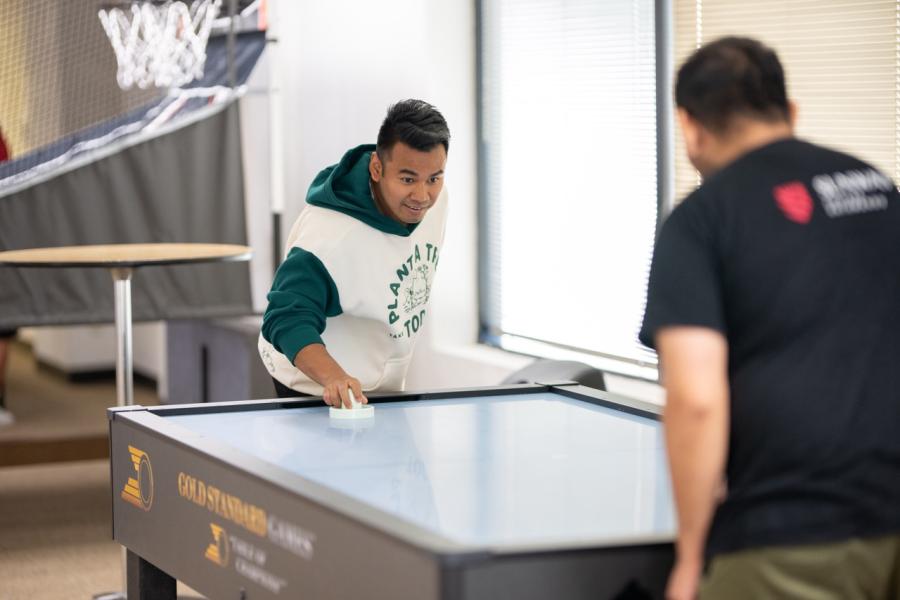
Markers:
{"x": 317, "y": 364}
{"x": 303, "y": 295}
{"x": 694, "y": 369}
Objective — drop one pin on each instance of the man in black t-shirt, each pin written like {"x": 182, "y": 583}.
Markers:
{"x": 774, "y": 305}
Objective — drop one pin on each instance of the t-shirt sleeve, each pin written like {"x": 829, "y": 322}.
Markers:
{"x": 303, "y": 294}
{"x": 685, "y": 285}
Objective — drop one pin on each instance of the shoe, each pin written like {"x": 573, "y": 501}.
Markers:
{"x": 6, "y": 418}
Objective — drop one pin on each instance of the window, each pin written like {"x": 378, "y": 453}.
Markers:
{"x": 841, "y": 60}
{"x": 568, "y": 157}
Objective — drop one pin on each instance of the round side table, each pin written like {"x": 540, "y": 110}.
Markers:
{"x": 122, "y": 260}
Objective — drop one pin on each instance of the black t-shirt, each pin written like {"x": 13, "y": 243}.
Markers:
{"x": 793, "y": 253}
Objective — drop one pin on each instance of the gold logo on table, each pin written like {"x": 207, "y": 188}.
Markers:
{"x": 218, "y": 550}
{"x": 139, "y": 488}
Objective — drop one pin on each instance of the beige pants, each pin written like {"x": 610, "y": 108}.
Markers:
{"x": 856, "y": 569}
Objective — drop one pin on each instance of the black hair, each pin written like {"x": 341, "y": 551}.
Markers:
{"x": 416, "y": 123}
{"x": 732, "y": 77}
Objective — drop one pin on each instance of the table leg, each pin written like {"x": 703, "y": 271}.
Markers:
{"x": 146, "y": 582}
{"x": 124, "y": 381}
{"x": 143, "y": 581}
{"x": 124, "y": 368}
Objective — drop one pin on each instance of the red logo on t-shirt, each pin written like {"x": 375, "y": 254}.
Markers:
{"x": 794, "y": 201}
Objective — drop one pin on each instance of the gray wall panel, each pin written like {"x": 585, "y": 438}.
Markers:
{"x": 185, "y": 186}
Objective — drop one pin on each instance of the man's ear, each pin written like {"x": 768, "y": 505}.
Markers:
{"x": 691, "y": 132}
{"x": 376, "y": 168}
{"x": 792, "y": 114}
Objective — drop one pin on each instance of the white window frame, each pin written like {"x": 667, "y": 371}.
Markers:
{"x": 644, "y": 368}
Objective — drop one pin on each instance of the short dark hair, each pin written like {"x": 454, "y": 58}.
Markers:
{"x": 732, "y": 77}
{"x": 416, "y": 123}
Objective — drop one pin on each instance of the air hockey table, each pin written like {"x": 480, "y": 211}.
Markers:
{"x": 526, "y": 492}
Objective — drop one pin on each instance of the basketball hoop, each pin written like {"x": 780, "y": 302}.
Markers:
{"x": 159, "y": 43}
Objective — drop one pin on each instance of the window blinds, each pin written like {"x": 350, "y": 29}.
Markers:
{"x": 568, "y": 173}
{"x": 841, "y": 61}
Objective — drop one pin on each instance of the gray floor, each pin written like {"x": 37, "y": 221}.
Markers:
{"x": 55, "y": 533}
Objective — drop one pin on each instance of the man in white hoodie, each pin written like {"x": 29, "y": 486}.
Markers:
{"x": 351, "y": 296}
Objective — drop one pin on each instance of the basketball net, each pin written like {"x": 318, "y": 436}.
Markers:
{"x": 161, "y": 44}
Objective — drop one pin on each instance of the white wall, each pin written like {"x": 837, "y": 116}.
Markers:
{"x": 80, "y": 348}
{"x": 257, "y": 161}
{"x": 343, "y": 63}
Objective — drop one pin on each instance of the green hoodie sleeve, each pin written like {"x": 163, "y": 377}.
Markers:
{"x": 303, "y": 294}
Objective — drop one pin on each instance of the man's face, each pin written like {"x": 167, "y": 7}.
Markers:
{"x": 408, "y": 182}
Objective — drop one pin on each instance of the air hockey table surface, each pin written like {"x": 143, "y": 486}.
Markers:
{"x": 535, "y": 491}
